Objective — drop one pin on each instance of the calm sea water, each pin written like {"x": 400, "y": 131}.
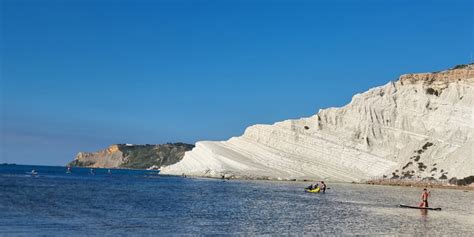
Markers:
{"x": 136, "y": 203}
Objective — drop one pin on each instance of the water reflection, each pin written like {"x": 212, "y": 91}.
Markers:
{"x": 424, "y": 215}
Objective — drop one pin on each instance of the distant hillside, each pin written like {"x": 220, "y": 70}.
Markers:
{"x": 132, "y": 156}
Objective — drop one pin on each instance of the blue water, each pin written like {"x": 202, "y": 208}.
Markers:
{"x": 128, "y": 202}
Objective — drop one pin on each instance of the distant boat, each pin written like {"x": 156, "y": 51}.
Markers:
{"x": 33, "y": 173}
{"x": 155, "y": 172}
{"x": 68, "y": 170}
{"x": 155, "y": 167}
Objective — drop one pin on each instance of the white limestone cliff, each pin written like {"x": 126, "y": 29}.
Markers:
{"x": 421, "y": 125}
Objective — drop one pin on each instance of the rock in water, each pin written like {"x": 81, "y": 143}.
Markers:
{"x": 132, "y": 156}
{"x": 420, "y": 126}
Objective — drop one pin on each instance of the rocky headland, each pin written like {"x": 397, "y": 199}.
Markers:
{"x": 132, "y": 156}
{"x": 418, "y": 127}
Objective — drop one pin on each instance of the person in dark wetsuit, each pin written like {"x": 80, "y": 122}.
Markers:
{"x": 323, "y": 186}
{"x": 312, "y": 187}
{"x": 424, "y": 198}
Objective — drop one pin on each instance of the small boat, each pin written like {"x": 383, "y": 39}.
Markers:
{"x": 155, "y": 172}
{"x": 32, "y": 173}
{"x": 154, "y": 167}
{"x": 316, "y": 190}
{"x": 421, "y": 208}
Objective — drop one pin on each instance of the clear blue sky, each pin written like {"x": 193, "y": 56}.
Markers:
{"x": 80, "y": 75}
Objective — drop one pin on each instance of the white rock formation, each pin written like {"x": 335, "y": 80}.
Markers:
{"x": 418, "y": 126}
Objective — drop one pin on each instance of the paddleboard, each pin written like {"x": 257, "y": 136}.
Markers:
{"x": 421, "y": 208}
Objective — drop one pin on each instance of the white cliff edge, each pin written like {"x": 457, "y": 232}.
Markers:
{"x": 416, "y": 127}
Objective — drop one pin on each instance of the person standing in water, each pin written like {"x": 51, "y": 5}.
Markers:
{"x": 323, "y": 187}
{"x": 424, "y": 198}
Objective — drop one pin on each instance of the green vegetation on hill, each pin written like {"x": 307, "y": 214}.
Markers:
{"x": 133, "y": 156}
{"x": 145, "y": 156}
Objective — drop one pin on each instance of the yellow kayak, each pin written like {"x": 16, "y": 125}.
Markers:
{"x": 316, "y": 190}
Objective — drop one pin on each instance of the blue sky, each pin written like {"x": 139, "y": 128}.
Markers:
{"x": 80, "y": 75}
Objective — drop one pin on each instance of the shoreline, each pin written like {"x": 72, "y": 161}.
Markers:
{"x": 419, "y": 184}
{"x": 381, "y": 182}
{"x": 396, "y": 183}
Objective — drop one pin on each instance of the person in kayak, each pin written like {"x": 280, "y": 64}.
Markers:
{"x": 424, "y": 198}
{"x": 323, "y": 186}
{"x": 312, "y": 187}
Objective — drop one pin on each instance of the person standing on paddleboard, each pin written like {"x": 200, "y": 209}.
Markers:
{"x": 424, "y": 198}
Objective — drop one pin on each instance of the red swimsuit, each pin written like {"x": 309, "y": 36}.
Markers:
{"x": 424, "y": 198}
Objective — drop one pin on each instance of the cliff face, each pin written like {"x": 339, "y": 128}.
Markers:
{"x": 132, "y": 156}
{"x": 420, "y": 126}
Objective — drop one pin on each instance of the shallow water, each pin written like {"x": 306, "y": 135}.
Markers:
{"x": 135, "y": 202}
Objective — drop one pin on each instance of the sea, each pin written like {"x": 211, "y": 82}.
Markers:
{"x": 144, "y": 203}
